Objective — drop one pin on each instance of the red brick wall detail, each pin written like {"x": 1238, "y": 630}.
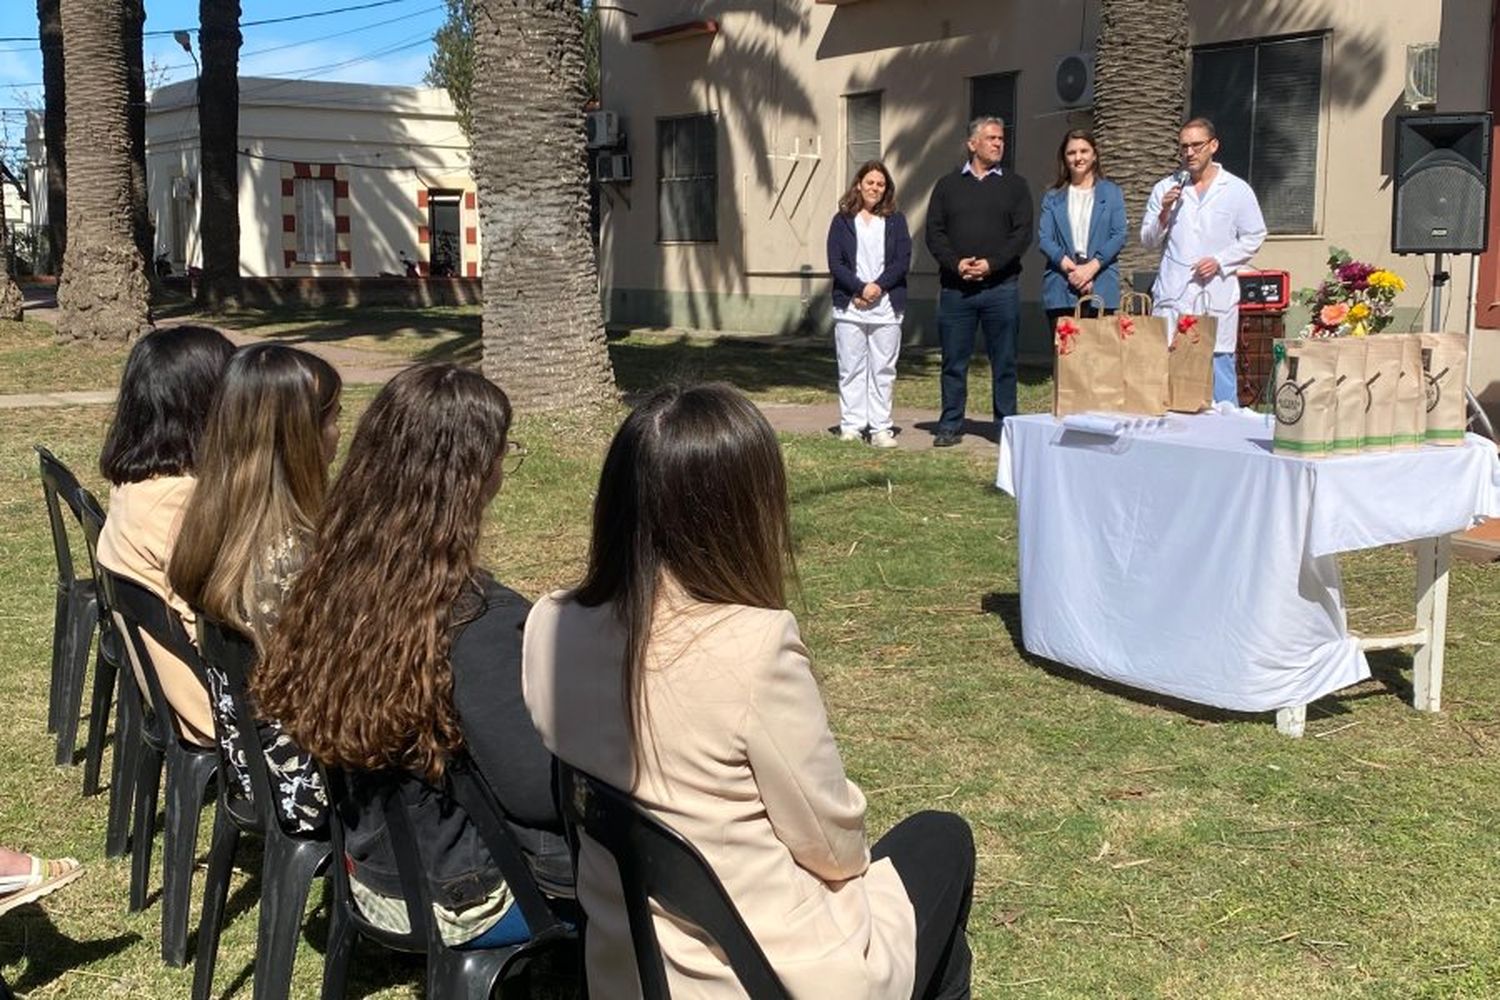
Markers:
{"x": 421, "y": 234}
{"x": 288, "y": 223}
{"x": 471, "y": 236}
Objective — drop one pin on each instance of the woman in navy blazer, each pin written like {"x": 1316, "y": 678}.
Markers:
{"x": 869, "y": 254}
{"x": 1082, "y": 230}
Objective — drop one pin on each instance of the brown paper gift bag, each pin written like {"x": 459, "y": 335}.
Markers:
{"x": 1190, "y": 364}
{"x": 1382, "y": 372}
{"x": 1444, "y": 361}
{"x": 1410, "y": 427}
{"x": 1352, "y": 397}
{"x": 1086, "y": 369}
{"x": 1304, "y": 394}
{"x": 1144, "y": 341}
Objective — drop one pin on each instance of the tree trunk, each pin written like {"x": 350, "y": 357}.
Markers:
{"x": 1140, "y": 90}
{"x": 543, "y": 326}
{"x": 103, "y": 295}
{"x": 140, "y": 205}
{"x": 54, "y": 128}
{"x": 11, "y": 301}
{"x": 218, "y": 131}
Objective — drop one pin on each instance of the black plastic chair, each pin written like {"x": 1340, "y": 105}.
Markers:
{"x": 106, "y": 666}
{"x": 77, "y": 610}
{"x": 290, "y": 863}
{"x": 189, "y": 768}
{"x": 655, "y": 862}
{"x": 452, "y": 974}
{"x": 5, "y": 993}
{"x": 110, "y": 681}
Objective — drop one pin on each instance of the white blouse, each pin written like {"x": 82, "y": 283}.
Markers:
{"x": 1080, "y": 208}
{"x": 869, "y": 262}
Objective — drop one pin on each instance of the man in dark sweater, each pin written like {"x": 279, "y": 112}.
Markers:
{"x": 978, "y": 226}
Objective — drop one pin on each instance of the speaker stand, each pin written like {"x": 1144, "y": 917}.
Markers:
{"x": 1435, "y": 292}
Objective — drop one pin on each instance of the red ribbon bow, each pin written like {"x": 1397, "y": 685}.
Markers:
{"x": 1127, "y": 327}
{"x": 1186, "y": 325}
{"x": 1066, "y": 331}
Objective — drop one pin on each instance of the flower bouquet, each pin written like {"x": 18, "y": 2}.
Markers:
{"x": 1355, "y": 299}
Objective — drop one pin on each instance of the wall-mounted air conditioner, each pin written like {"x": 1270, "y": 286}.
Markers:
{"x": 602, "y": 129}
{"x": 1421, "y": 75}
{"x": 612, "y": 168}
{"x": 1073, "y": 82}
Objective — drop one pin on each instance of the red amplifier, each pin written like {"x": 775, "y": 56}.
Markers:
{"x": 1265, "y": 291}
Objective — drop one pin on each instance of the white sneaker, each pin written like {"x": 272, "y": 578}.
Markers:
{"x": 883, "y": 439}
{"x": 850, "y": 436}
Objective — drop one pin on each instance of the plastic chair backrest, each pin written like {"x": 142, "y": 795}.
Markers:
{"x": 141, "y": 612}
{"x": 657, "y": 863}
{"x": 232, "y": 654}
{"x": 469, "y": 790}
{"x": 59, "y": 484}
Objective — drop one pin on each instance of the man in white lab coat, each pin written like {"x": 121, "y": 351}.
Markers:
{"x": 1207, "y": 224}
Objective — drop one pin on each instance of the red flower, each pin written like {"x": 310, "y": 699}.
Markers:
{"x": 1066, "y": 331}
{"x": 1127, "y": 327}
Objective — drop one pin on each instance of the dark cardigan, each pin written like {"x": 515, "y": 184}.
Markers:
{"x": 843, "y": 248}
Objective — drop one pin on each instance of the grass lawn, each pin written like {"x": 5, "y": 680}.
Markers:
{"x": 1127, "y": 847}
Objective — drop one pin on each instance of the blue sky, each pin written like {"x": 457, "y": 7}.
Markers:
{"x": 382, "y": 44}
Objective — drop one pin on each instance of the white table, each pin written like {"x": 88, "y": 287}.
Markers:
{"x": 1193, "y": 562}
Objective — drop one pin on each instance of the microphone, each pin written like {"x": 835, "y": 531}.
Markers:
{"x": 1181, "y": 178}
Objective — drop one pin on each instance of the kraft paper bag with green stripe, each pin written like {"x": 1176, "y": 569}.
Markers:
{"x": 1444, "y": 360}
{"x": 1144, "y": 344}
{"x": 1304, "y": 396}
{"x": 1352, "y": 397}
{"x": 1088, "y": 367}
{"x": 1382, "y": 372}
{"x": 1410, "y": 426}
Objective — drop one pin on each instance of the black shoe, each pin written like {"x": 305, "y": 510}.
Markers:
{"x": 946, "y": 439}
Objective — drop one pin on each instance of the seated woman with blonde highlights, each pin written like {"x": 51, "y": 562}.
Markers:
{"x": 675, "y": 671}
{"x": 271, "y": 435}
{"x": 396, "y": 654}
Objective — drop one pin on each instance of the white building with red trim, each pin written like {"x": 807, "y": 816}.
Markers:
{"x": 336, "y": 180}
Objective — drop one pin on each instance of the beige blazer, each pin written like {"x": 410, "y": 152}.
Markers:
{"x": 741, "y": 762}
{"x": 137, "y": 542}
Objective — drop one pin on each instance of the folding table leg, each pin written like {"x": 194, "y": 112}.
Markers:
{"x": 1433, "y": 557}
{"x": 1291, "y": 721}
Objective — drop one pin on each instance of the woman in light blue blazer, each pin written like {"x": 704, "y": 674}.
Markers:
{"x": 1081, "y": 232}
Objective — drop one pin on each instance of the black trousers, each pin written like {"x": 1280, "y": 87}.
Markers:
{"x": 933, "y": 852}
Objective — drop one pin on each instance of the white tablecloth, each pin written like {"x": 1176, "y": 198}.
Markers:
{"x": 1195, "y": 563}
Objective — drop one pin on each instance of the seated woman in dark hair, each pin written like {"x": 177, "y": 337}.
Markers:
{"x": 675, "y": 671}
{"x": 271, "y": 434}
{"x": 395, "y": 652}
{"x": 150, "y": 456}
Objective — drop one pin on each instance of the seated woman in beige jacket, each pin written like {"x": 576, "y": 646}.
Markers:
{"x": 149, "y": 458}
{"x": 674, "y": 671}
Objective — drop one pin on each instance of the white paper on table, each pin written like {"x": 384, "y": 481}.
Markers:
{"x": 1110, "y": 424}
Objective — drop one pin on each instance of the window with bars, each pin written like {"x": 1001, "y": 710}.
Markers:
{"x": 1265, "y": 98}
{"x": 862, "y": 129}
{"x": 687, "y": 179}
{"x": 316, "y": 239}
{"x": 994, "y": 95}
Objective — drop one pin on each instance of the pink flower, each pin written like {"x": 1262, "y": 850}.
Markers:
{"x": 1333, "y": 314}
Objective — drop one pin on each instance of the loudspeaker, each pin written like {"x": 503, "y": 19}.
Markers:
{"x": 1441, "y": 202}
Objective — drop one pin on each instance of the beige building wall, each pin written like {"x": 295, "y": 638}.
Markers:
{"x": 776, "y": 73}
{"x": 388, "y": 145}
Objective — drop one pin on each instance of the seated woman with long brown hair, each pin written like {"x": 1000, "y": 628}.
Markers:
{"x": 395, "y": 653}
{"x": 675, "y": 671}
{"x": 271, "y": 435}
{"x": 150, "y": 458}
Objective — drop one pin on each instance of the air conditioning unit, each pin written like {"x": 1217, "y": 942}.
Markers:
{"x": 1421, "y": 75}
{"x": 612, "y": 168}
{"x": 602, "y": 129}
{"x": 182, "y": 189}
{"x": 1073, "y": 83}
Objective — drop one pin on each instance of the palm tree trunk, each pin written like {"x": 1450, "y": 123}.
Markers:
{"x": 543, "y": 326}
{"x": 103, "y": 295}
{"x": 54, "y": 128}
{"x": 1140, "y": 91}
{"x": 140, "y": 206}
{"x": 218, "y": 132}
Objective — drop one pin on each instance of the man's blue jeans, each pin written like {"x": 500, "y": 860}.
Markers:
{"x": 997, "y": 310}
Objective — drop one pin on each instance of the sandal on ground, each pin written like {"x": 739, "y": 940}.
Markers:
{"x": 45, "y": 877}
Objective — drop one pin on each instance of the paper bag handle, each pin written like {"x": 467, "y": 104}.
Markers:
{"x": 1136, "y": 304}
{"x": 1099, "y": 306}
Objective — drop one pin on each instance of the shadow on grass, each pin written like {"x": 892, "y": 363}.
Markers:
{"x": 1007, "y": 607}
{"x": 49, "y": 953}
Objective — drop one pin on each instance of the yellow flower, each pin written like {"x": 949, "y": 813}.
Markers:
{"x": 1359, "y": 312}
{"x": 1387, "y": 281}
{"x": 1358, "y": 330}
